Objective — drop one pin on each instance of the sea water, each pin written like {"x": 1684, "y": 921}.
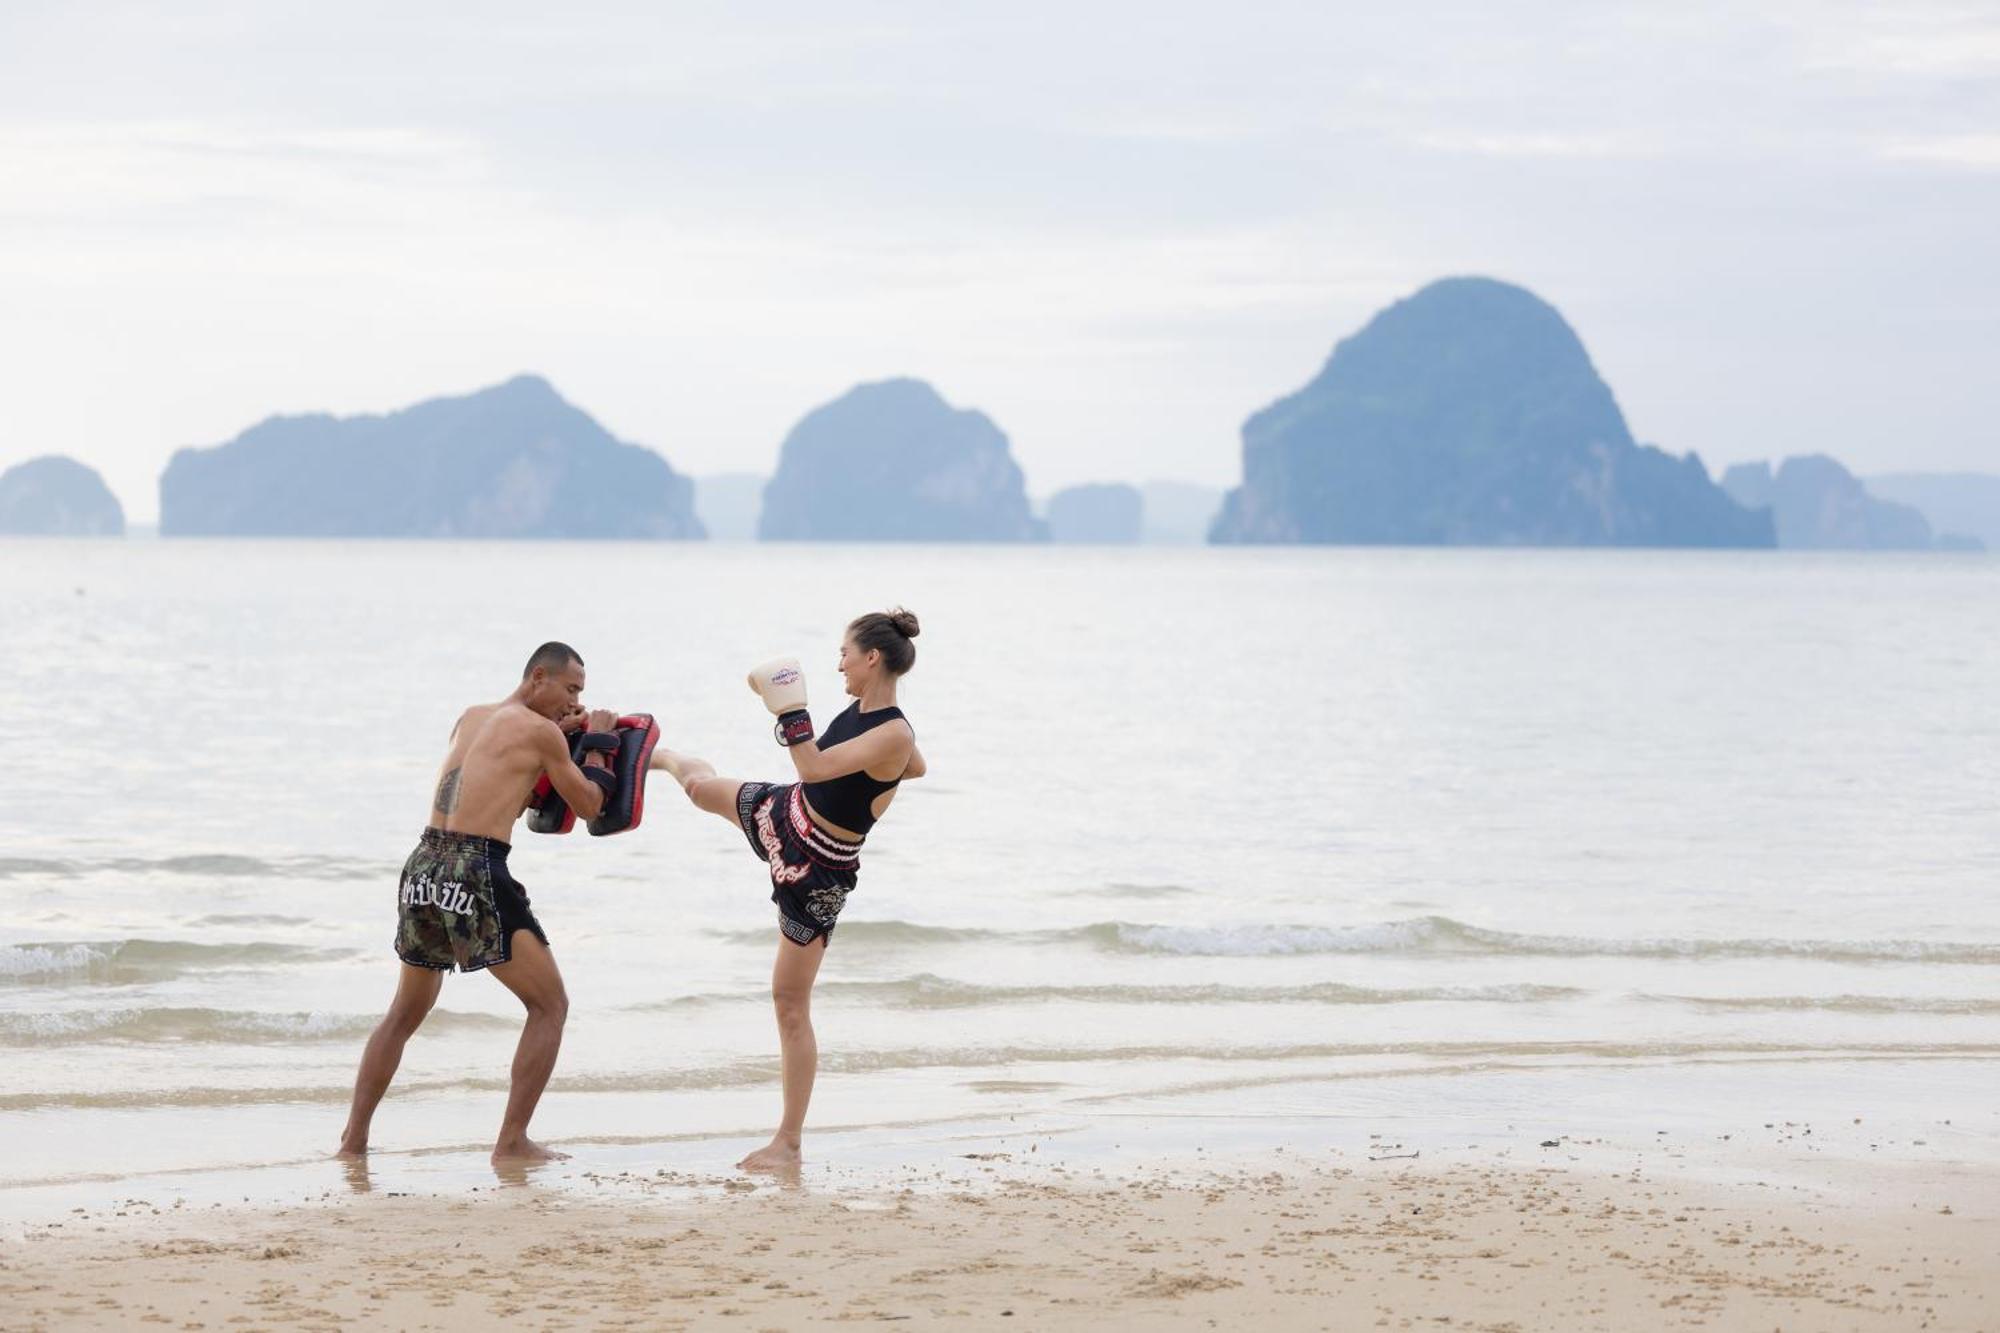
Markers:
{"x": 1380, "y": 836}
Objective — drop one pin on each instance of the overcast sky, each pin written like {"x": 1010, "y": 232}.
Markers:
{"x": 1116, "y": 228}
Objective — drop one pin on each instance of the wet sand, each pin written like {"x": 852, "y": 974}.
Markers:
{"x": 1006, "y": 1238}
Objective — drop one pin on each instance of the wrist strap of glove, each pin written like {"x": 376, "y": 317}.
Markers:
{"x": 604, "y": 742}
{"x": 793, "y": 728}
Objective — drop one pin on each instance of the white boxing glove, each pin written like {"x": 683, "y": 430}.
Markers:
{"x": 782, "y": 686}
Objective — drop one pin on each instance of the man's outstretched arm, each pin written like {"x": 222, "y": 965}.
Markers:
{"x": 589, "y": 787}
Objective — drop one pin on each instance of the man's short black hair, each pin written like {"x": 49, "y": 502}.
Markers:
{"x": 551, "y": 657}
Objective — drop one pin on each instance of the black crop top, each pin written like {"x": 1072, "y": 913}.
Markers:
{"x": 849, "y": 801}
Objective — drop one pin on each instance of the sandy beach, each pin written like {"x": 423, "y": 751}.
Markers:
{"x": 1469, "y": 1240}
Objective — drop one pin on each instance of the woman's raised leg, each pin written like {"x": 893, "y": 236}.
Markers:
{"x": 697, "y": 778}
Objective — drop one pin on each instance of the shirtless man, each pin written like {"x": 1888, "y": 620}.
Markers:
{"x": 459, "y": 907}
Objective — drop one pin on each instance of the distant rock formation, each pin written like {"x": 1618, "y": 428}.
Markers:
{"x": 728, "y": 503}
{"x": 1819, "y": 505}
{"x": 1179, "y": 512}
{"x": 55, "y": 496}
{"x": 1468, "y": 414}
{"x": 1103, "y": 513}
{"x": 1959, "y": 505}
{"x": 511, "y": 461}
{"x": 893, "y": 461}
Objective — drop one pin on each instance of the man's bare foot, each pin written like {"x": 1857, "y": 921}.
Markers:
{"x": 525, "y": 1150}
{"x": 351, "y": 1152}
{"x": 776, "y": 1156}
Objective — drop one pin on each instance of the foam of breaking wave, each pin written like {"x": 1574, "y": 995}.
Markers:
{"x": 926, "y": 991}
{"x": 1423, "y": 935}
{"x": 1256, "y": 939}
{"x": 205, "y": 1026}
{"x": 44, "y": 960}
{"x": 1442, "y": 935}
{"x": 122, "y": 961}
{"x": 1843, "y": 1004}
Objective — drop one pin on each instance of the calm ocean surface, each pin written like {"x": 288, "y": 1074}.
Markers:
{"x": 1223, "y": 833}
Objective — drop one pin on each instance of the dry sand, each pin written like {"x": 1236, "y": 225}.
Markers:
{"x": 1286, "y": 1242}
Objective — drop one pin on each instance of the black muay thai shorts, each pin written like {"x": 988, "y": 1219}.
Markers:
{"x": 812, "y": 872}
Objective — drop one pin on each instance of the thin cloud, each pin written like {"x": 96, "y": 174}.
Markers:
{"x": 1920, "y": 47}
{"x": 1969, "y": 152}
{"x": 159, "y": 171}
{"x": 1598, "y": 145}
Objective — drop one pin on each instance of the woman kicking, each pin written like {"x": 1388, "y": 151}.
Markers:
{"x": 809, "y": 832}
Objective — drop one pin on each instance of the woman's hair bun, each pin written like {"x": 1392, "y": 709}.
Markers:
{"x": 888, "y": 633}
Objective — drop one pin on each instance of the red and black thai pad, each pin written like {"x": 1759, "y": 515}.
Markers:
{"x": 637, "y": 735}
{"x": 548, "y": 812}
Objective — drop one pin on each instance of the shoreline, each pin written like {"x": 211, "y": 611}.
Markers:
{"x": 991, "y": 1224}
{"x": 1717, "y": 1116}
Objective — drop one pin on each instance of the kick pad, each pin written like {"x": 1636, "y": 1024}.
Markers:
{"x": 638, "y": 733}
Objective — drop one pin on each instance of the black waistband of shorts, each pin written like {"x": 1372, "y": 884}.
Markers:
{"x": 440, "y": 838}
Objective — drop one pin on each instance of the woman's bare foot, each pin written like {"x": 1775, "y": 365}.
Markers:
{"x": 356, "y": 1170}
{"x": 683, "y": 768}
{"x": 525, "y": 1150}
{"x": 775, "y": 1156}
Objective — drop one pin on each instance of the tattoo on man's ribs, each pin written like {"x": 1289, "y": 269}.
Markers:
{"x": 447, "y": 794}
